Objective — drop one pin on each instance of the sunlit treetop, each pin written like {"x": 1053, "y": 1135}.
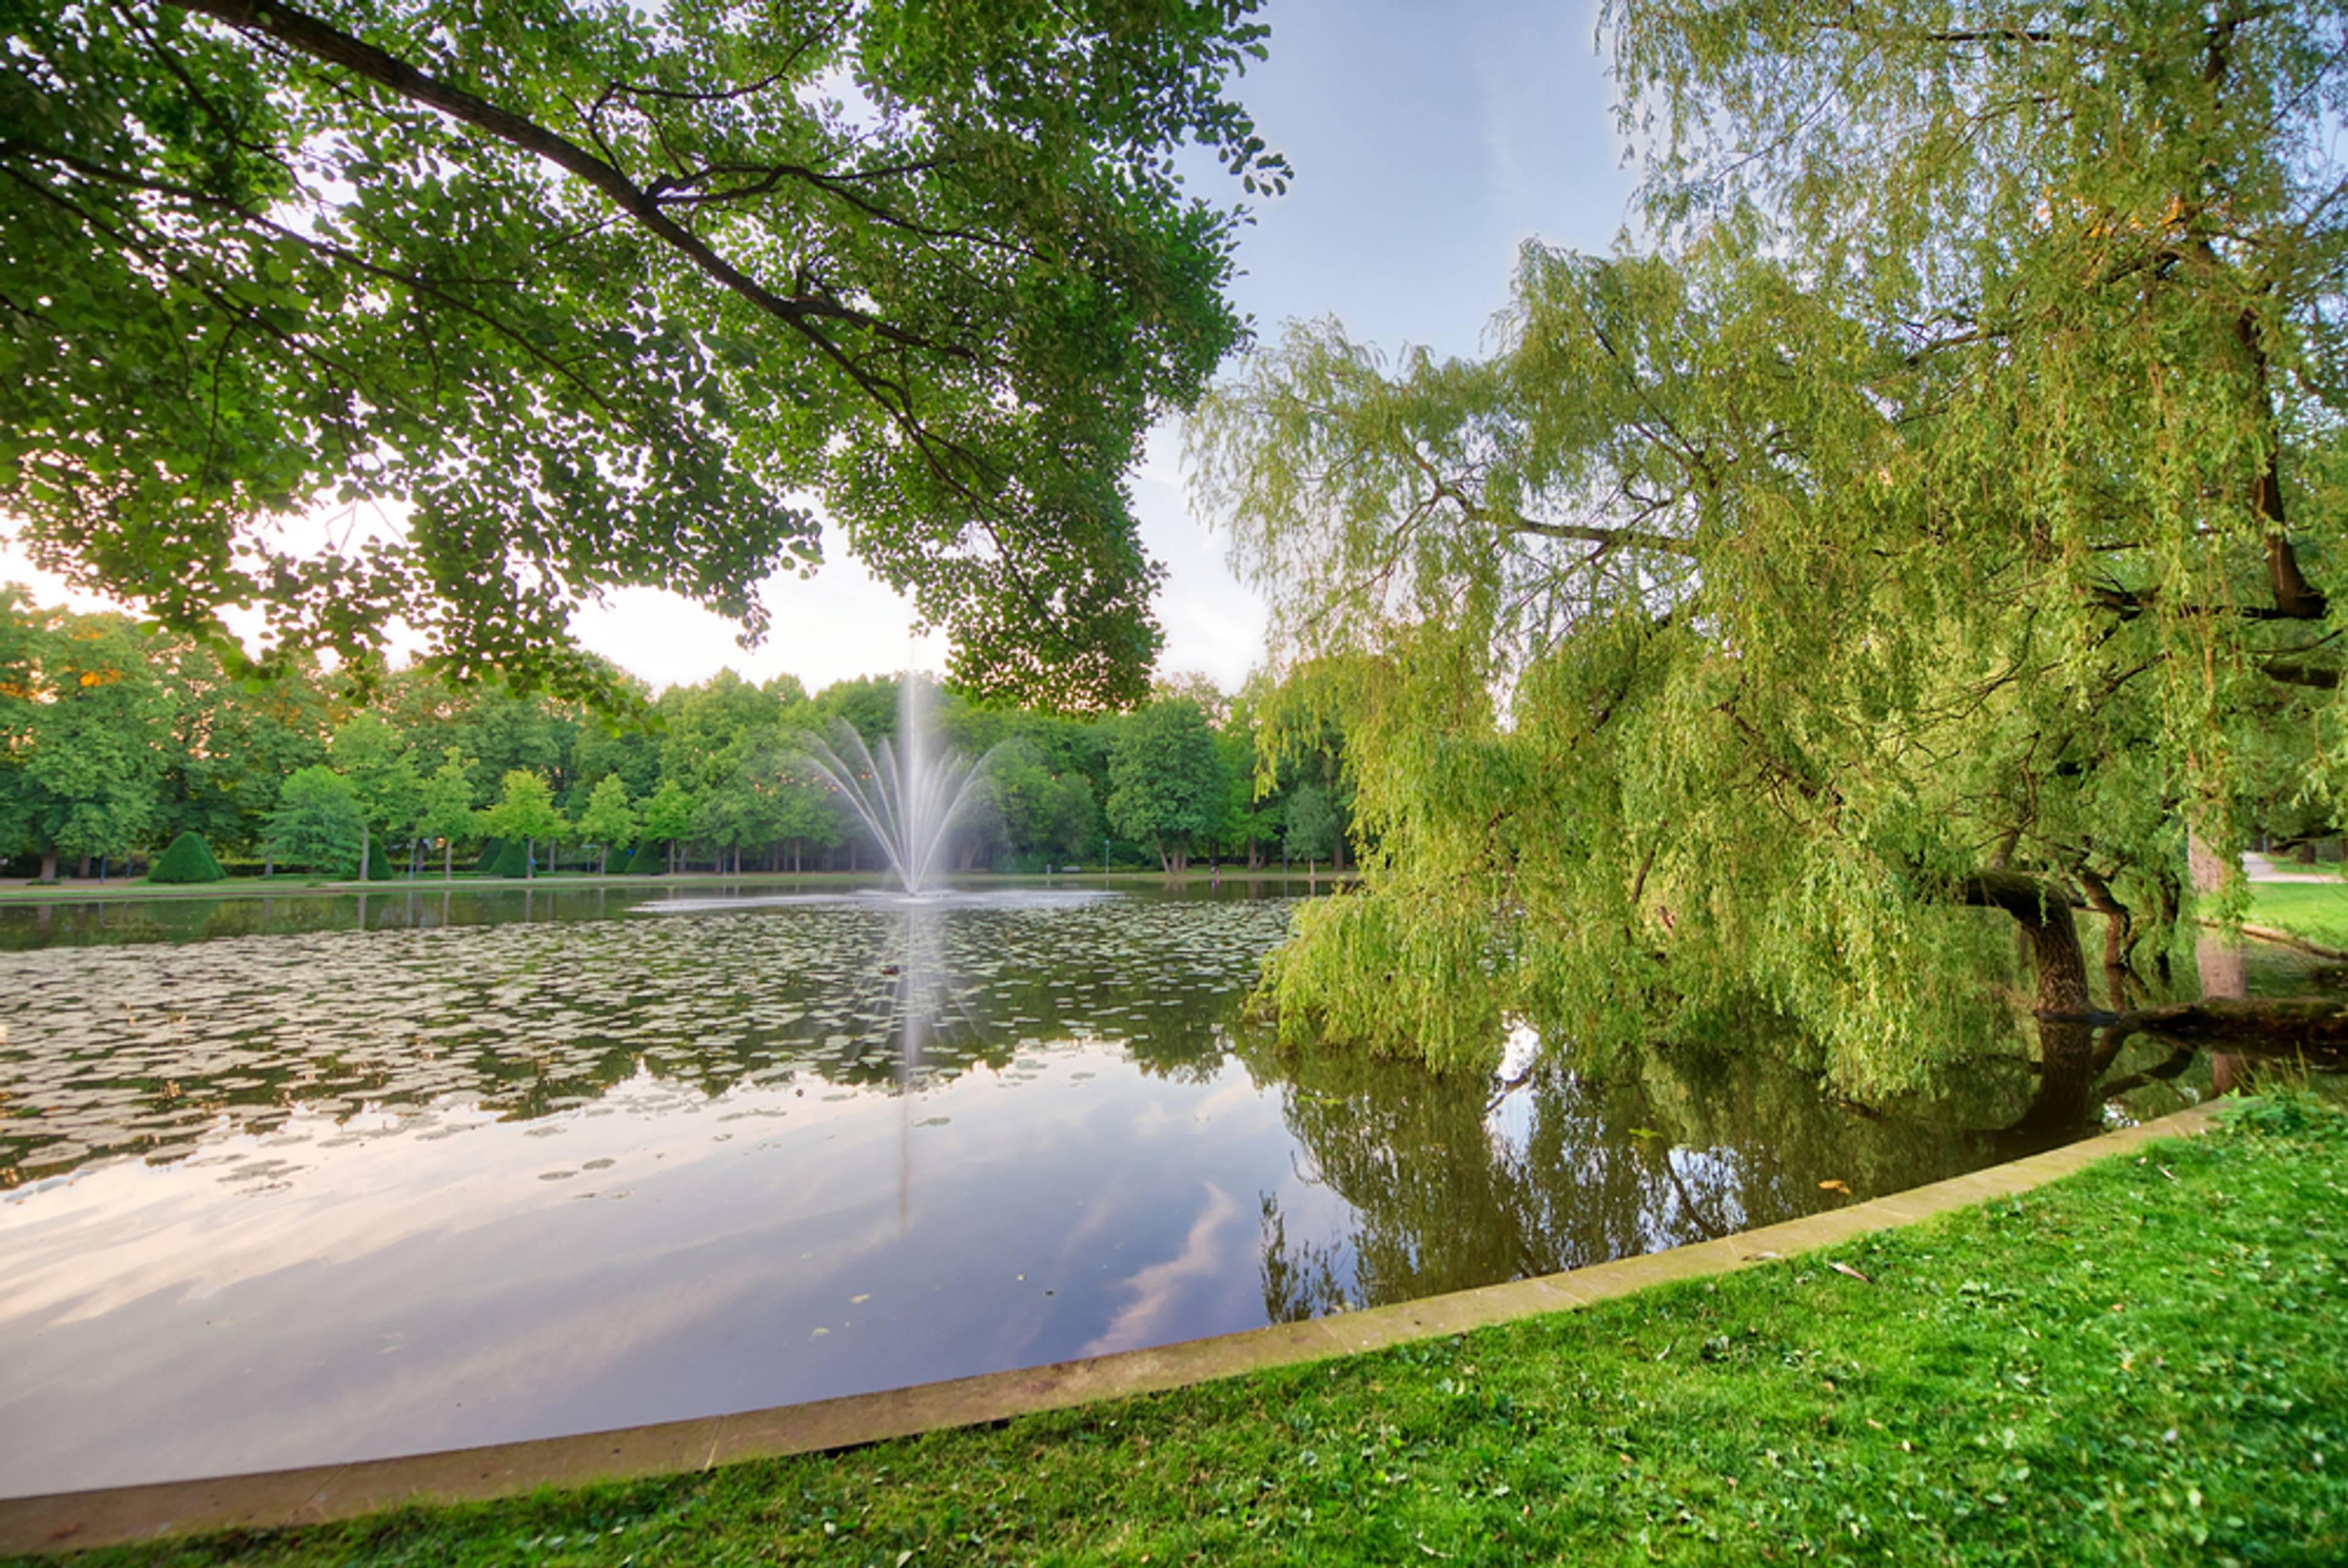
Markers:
{"x": 581, "y": 295}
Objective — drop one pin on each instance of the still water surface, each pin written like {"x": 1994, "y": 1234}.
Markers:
{"x": 295, "y": 1184}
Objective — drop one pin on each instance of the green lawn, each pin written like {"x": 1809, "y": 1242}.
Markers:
{"x": 2145, "y": 1363}
{"x": 2316, "y": 910}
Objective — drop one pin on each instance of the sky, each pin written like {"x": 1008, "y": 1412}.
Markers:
{"x": 1428, "y": 143}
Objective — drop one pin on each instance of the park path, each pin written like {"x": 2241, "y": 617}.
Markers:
{"x": 2266, "y": 868}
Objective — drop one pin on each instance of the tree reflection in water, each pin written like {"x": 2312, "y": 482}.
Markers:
{"x": 1451, "y": 1187}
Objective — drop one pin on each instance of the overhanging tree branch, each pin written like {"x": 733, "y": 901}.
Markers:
{"x": 308, "y": 36}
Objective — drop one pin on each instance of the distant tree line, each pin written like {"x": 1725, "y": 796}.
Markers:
{"x": 115, "y": 739}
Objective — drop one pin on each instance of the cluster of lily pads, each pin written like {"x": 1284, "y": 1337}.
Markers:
{"x": 142, "y": 1048}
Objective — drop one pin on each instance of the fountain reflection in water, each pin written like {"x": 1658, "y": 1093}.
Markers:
{"x": 908, "y": 802}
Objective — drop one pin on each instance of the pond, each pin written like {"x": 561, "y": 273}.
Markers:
{"x": 291, "y": 1182}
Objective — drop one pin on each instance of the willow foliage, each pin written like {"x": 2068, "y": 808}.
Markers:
{"x": 1951, "y": 487}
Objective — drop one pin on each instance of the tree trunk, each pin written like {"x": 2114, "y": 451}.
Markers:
{"x": 2066, "y": 1036}
{"x": 2120, "y": 927}
{"x": 2294, "y": 596}
{"x": 2063, "y": 1106}
{"x": 2225, "y": 968}
{"x": 49, "y": 864}
{"x": 2170, "y": 895}
{"x": 447, "y": 860}
{"x": 528, "y": 857}
{"x": 2043, "y": 912}
{"x": 367, "y": 843}
{"x": 602, "y": 860}
{"x": 2315, "y": 1028}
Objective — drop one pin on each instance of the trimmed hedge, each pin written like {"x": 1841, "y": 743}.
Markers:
{"x": 190, "y": 859}
{"x": 649, "y": 860}
{"x": 512, "y": 860}
{"x": 491, "y": 849}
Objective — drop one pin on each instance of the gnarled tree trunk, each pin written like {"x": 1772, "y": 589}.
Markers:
{"x": 2043, "y": 912}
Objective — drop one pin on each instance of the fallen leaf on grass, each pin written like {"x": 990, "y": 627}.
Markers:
{"x": 1845, "y": 1268}
{"x": 1834, "y": 1185}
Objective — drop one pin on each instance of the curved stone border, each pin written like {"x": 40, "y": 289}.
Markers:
{"x": 71, "y": 1520}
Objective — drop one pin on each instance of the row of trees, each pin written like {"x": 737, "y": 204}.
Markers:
{"x": 115, "y": 738}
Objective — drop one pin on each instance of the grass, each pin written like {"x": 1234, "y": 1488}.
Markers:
{"x": 2146, "y": 1363}
{"x": 2316, "y": 910}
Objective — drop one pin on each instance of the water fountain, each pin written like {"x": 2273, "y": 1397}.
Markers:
{"x": 908, "y": 802}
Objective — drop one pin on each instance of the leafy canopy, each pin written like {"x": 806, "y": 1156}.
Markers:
{"x": 85, "y": 728}
{"x": 1165, "y": 778}
{"x": 608, "y": 819}
{"x": 318, "y": 822}
{"x": 445, "y": 799}
{"x": 525, "y": 810}
{"x": 533, "y": 300}
{"x": 1951, "y": 489}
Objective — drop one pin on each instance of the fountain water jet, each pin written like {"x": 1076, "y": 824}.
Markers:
{"x": 908, "y": 802}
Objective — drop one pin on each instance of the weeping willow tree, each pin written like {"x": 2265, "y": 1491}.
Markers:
{"x": 1926, "y": 531}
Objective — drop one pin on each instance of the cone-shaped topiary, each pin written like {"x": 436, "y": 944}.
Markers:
{"x": 649, "y": 860}
{"x": 492, "y": 850}
{"x": 512, "y": 861}
{"x": 190, "y": 859}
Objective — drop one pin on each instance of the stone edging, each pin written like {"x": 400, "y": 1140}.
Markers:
{"x": 72, "y": 1520}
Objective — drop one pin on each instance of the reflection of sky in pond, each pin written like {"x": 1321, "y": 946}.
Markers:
{"x": 293, "y": 1198}
{"x": 451, "y": 1279}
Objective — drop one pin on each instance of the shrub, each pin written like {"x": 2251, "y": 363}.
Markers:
{"x": 492, "y": 850}
{"x": 190, "y": 859}
{"x": 512, "y": 860}
{"x": 649, "y": 860}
